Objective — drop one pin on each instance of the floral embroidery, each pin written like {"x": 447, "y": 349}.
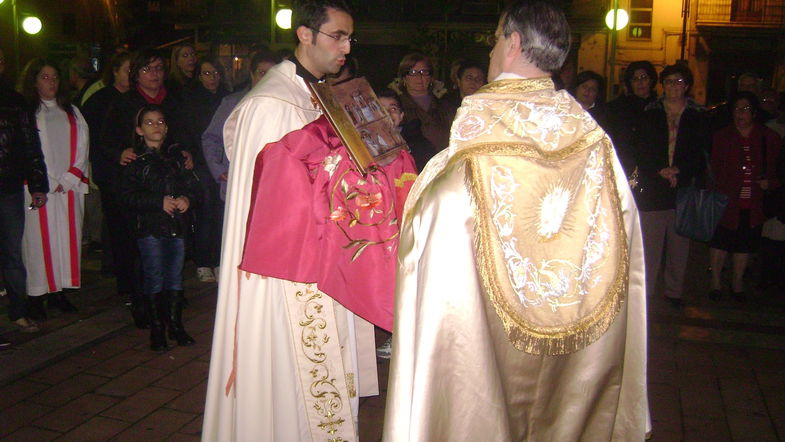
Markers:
{"x": 358, "y": 202}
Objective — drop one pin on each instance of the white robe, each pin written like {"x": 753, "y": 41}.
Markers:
{"x": 51, "y": 246}
{"x": 256, "y": 389}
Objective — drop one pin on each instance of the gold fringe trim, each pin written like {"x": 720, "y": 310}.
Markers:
{"x": 518, "y": 85}
{"x": 523, "y": 335}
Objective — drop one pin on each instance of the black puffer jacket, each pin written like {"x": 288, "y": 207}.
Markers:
{"x": 146, "y": 181}
{"x": 20, "y": 148}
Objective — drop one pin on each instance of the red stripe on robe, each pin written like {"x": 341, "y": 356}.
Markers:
{"x": 72, "y": 238}
{"x": 46, "y": 244}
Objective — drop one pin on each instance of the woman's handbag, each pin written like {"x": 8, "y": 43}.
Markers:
{"x": 699, "y": 211}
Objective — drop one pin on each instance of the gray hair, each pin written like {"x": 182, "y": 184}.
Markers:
{"x": 544, "y": 31}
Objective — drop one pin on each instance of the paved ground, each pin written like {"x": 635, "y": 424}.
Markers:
{"x": 716, "y": 370}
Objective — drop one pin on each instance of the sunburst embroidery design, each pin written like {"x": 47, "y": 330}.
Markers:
{"x": 553, "y": 209}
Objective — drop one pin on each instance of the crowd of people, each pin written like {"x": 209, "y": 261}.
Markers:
{"x": 171, "y": 146}
{"x": 669, "y": 142}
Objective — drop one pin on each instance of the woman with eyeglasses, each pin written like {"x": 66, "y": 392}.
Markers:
{"x": 625, "y": 111}
{"x": 469, "y": 76}
{"x": 744, "y": 161}
{"x": 52, "y": 238}
{"x": 669, "y": 152}
{"x": 420, "y": 97}
{"x": 199, "y": 103}
{"x": 147, "y": 73}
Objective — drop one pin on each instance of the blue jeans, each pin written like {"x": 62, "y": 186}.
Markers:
{"x": 12, "y": 227}
{"x": 162, "y": 263}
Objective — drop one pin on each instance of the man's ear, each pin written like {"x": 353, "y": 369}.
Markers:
{"x": 305, "y": 35}
{"x": 515, "y": 45}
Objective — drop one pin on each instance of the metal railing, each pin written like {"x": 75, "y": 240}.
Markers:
{"x": 756, "y": 13}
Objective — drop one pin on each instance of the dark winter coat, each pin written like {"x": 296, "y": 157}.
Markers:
{"x": 147, "y": 180}
{"x": 21, "y": 159}
{"x": 650, "y": 154}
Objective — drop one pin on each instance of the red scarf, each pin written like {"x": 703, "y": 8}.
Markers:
{"x": 158, "y": 99}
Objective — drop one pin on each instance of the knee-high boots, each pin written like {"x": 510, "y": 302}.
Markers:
{"x": 177, "y": 332}
{"x": 155, "y": 307}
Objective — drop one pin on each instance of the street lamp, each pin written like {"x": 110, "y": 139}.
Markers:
{"x": 616, "y": 19}
{"x": 31, "y": 25}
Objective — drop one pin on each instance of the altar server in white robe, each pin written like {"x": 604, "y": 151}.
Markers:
{"x": 520, "y": 301}
{"x": 53, "y": 233}
{"x": 267, "y": 382}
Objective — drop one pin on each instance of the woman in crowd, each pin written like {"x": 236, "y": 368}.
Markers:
{"x": 182, "y": 67}
{"x": 589, "y": 91}
{"x": 624, "y": 113}
{"x": 200, "y": 101}
{"x": 160, "y": 194}
{"x": 743, "y": 160}
{"x": 146, "y": 78}
{"x": 420, "y": 100}
{"x": 53, "y": 233}
{"x": 422, "y": 150}
{"x": 212, "y": 138}
{"x": 116, "y": 76}
{"x": 669, "y": 152}
{"x": 470, "y": 77}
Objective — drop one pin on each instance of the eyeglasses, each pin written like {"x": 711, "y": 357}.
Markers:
{"x": 742, "y": 109}
{"x": 394, "y": 108}
{"x": 151, "y": 123}
{"x": 155, "y": 69}
{"x": 211, "y": 73}
{"x": 47, "y": 77}
{"x": 340, "y": 38}
{"x": 420, "y": 72}
{"x": 675, "y": 82}
{"x": 643, "y": 77}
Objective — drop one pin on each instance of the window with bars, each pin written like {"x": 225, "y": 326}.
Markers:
{"x": 641, "y": 12}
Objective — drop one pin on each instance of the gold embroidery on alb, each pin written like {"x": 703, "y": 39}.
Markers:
{"x": 328, "y": 401}
{"x": 350, "y": 385}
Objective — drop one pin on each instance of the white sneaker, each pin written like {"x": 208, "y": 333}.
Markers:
{"x": 385, "y": 350}
{"x": 205, "y": 274}
{"x": 216, "y": 273}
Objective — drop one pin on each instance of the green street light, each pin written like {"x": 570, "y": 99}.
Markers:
{"x": 621, "y": 19}
{"x": 32, "y": 25}
{"x": 283, "y": 18}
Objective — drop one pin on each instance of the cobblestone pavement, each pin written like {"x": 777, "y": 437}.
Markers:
{"x": 716, "y": 370}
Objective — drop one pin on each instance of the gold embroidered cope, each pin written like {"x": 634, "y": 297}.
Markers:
{"x": 549, "y": 233}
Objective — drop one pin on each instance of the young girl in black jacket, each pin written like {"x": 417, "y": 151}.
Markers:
{"x": 160, "y": 195}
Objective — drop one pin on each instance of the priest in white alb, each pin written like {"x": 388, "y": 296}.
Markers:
{"x": 520, "y": 309}
{"x": 288, "y": 362}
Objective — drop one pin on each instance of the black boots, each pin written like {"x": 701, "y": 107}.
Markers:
{"x": 176, "y": 329}
{"x": 138, "y": 311}
{"x": 35, "y": 308}
{"x": 155, "y": 307}
{"x": 165, "y": 310}
{"x": 59, "y": 300}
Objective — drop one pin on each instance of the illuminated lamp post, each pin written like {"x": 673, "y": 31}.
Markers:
{"x": 279, "y": 16}
{"x": 31, "y": 25}
{"x": 616, "y": 19}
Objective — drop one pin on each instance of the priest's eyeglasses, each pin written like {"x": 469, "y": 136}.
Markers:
{"x": 340, "y": 38}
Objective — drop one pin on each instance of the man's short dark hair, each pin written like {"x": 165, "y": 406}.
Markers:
{"x": 313, "y": 14}
{"x": 140, "y": 59}
{"x": 389, "y": 93}
{"x": 544, "y": 31}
